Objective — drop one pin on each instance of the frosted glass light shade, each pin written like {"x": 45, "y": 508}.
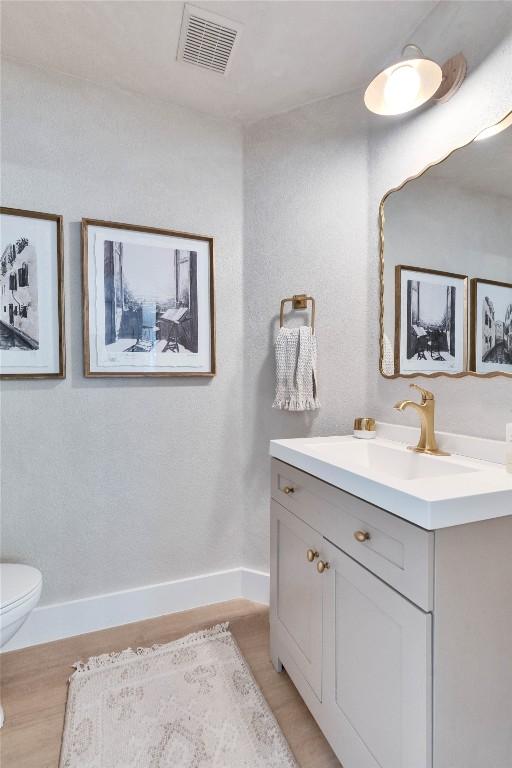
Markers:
{"x": 403, "y": 86}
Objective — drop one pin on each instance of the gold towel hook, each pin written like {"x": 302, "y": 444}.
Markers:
{"x": 299, "y": 301}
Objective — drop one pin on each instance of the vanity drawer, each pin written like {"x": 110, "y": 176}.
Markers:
{"x": 398, "y": 552}
{"x": 295, "y": 490}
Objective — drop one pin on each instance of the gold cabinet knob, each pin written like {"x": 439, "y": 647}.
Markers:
{"x": 312, "y": 554}
{"x": 288, "y": 489}
{"x": 361, "y": 536}
{"x": 322, "y": 566}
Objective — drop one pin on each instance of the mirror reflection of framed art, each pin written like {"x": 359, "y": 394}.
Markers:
{"x": 491, "y": 326}
{"x": 453, "y": 218}
{"x": 31, "y": 295}
{"x": 430, "y": 321}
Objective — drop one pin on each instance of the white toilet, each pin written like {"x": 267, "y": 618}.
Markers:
{"x": 20, "y": 590}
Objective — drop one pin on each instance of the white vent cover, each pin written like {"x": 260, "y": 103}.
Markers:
{"x": 207, "y": 40}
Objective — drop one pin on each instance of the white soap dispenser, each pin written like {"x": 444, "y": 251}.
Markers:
{"x": 364, "y": 428}
{"x": 508, "y": 448}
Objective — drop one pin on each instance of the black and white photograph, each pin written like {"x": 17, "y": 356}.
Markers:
{"x": 31, "y": 308}
{"x": 491, "y": 323}
{"x": 18, "y": 281}
{"x": 430, "y": 321}
{"x": 149, "y": 300}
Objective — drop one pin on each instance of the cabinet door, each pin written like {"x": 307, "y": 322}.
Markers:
{"x": 296, "y": 594}
{"x": 377, "y": 670}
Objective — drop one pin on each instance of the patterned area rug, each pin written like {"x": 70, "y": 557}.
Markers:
{"x": 192, "y": 703}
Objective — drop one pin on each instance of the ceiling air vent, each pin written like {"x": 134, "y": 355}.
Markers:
{"x": 207, "y": 40}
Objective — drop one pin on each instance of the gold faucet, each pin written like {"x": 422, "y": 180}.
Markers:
{"x": 427, "y": 442}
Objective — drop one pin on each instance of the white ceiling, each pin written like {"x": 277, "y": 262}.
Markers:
{"x": 290, "y": 53}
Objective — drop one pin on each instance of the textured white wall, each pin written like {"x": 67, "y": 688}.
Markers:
{"x": 111, "y": 484}
{"x": 306, "y": 204}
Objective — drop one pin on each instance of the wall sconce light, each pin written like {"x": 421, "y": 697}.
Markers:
{"x": 413, "y": 81}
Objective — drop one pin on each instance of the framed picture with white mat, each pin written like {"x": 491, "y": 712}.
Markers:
{"x": 148, "y": 301}
{"x": 491, "y": 327}
{"x": 31, "y": 295}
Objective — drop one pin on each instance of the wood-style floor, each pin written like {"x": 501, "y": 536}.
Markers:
{"x": 34, "y": 683}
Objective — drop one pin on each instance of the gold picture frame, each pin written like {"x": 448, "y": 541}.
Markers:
{"x": 398, "y": 331}
{"x": 60, "y": 345}
{"x": 475, "y": 329}
{"x": 89, "y": 370}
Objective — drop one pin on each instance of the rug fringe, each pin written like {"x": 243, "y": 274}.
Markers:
{"x": 106, "y": 659}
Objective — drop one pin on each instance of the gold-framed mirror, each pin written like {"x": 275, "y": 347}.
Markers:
{"x": 446, "y": 264}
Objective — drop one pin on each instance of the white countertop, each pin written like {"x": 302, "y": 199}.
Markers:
{"x": 432, "y": 492}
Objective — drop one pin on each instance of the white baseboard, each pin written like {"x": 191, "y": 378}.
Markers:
{"x": 76, "y": 617}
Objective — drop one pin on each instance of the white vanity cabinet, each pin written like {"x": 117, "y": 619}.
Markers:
{"x": 384, "y": 654}
{"x": 298, "y": 593}
{"x": 377, "y": 668}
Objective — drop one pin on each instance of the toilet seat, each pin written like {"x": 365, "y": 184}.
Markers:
{"x": 18, "y": 584}
{"x": 20, "y": 590}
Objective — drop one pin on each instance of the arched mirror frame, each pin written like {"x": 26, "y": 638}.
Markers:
{"x": 472, "y": 309}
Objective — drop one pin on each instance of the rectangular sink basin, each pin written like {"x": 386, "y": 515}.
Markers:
{"x": 430, "y": 491}
{"x": 394, "y": 461}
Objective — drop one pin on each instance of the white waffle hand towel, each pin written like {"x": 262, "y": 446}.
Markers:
{"x": 296, "y": 370}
